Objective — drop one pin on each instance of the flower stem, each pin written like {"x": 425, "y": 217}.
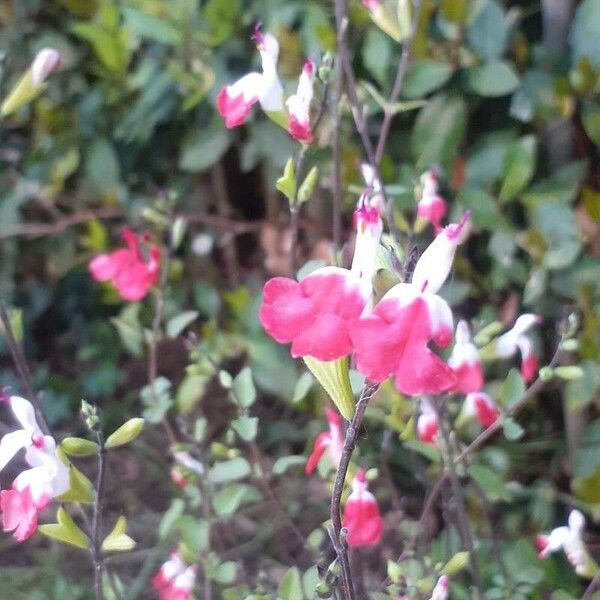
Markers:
{"x": 96, "y": 550}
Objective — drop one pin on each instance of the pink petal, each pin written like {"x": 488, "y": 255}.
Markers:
{"x": 322, "y": 442}
{"x": 363, "y": 521}
{"x": 101, "y": 267}
{"x": 327, "y": 339}
{"x": 300, "y": 131}
{"x": 469, "y": 378}
{"x": 234, "y": 109}
{"x": 434, "y": 210}
{"x": 486, "y": 411}
{"x": 19, "y": 513}
{"x": 529, "y": 368}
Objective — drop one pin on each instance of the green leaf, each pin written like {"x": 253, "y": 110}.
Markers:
{"x": 283, "y": 463}
{"x": 512, "y": 430}
{"x": 424, "y": 76}
{"x": 153, "y": 28}
{"x": 179, "y": 322}
{"x": 170, "y": 518}
{"x": 302, "y": 387}
{"x": 74, "y": 446}
{"x": 493, "y": 79}
{"x": 243, "y": 388}
{"x": 427, "y": 450}
{"x": 230, "y": 470}
{"x": 228, "y": 499}
{"x": 290, "y": 587}
{"x": 512, "y": 389}
{"x": 456, "y": 564}
{"x": 129, "y": 328}
{"x": 102, "y": 167}
{"x": 438, "y": 131}
{"x": 109, "y": 46}
{"x": 66, "y": 530}
{"x": 590, "y": 117}
{"x": 308, "y": 186}
{"x": 519, "y": 167}
{"x": 117, "y": 540}
{"x": 585, "y": 30}
{"x": 80, "y": 488}
{"x": 125, "y": 434}
{"x": 246, "y": 427}
{"x": 377, "y": 54}
{"x": 204, "y": 147}
{"x": 334, "y": 376}
{"x": 225, "y": 573}
{"x": 286, "y": 184}
{"x": 484, "y": 211}
{"x": 587, "y": 457}
{"x": 487, "y": 33}
{"x": 490, "y": 482}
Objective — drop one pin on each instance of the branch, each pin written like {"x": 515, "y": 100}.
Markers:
{"x": 96, "y": 550}
{"x": 594, "y": 585}
{"x": 337, "y": 533}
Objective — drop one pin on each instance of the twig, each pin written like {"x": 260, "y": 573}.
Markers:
{"x": 22, "y": 368}
{"x": 594, "y": 585}
{"x": 461, "y": 511}
{"x": 397, "y": 87}
{"x": 336, "y": 157}
{"x": 337, "y": 537}
{"x": 96, "y": 549}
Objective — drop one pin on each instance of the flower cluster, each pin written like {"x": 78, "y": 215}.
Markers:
{"x": 34, "y": 488}
{"x": 235, "y": 101}
{"x": 175, "y": 579}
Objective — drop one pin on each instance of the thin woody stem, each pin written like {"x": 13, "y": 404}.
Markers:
{"x": 337, "y": 533}
{"x": 594, "y": 585}
{"x": 96, "y": 549}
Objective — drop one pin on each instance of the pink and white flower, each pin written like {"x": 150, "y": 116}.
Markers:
{"x": 298, "y": 105}
{"x": 175, "y": 579}
{"x": 331, "y": 441}
{"x": 482, "y": 407}
{"x": 465, "y": 362}
{"x": 441, "y": 589}
{"x": 428, "y": 426}
{"x": 515, "y": 339}
{"x": 46, "y": 61}
{"x": 393, "y": 339}
{"x": 127, "y": 269}
{"x": 362, "y": 518}
{"x": 33, "y": 489}
{"x": 568, "y": 538}
{"x": 235, "y": 101}
{"x": 314, "y": 314}
{"x": 431, "y": 207}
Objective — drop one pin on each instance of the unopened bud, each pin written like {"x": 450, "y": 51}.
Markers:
{"x": 45, "y": 62}
{"x": 546, "y": 374}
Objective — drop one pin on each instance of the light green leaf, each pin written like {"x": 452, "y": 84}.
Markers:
{"x": 74, "y": 446}
{"x": 228, "y": 499}
{"x": 230, "y": 470}
{"x": 590, "y": 117}
{"x": 286, "y": 184}
{"x": 66, "y": 530}
{"x": 290, "y": 587}
{"x": 308, "y": 185}
{"x": 243, "y": 388}
{"x": 456, "y": 564}
{"x": 117, "y": 540}
{"x": 425, "y": 76}
{"x": 283, "y": 463}
{"x": 519, "y": 166}
{"x": 102, "y": 167}
{"x": 170, "y": 518}
{"x": 512, "y": 389}
{"x": 490, "y": 482}
{"x": 487, "y": 33}
{"x": 179, "y": 322}
{"x": 204, "y": 147}
{"x": 246, "y": 427}
{"x": 148, "y": 26}
{"x": 302, "y": 387}
{"x": 125, "y": 434}
{"x": 493, "y": 79}
{"x": 225, "y": 573}
{"x": 80, "y": 488}
{"x": 129, "y": 328}
{"x": 512, "y": 430}
{"x": 585, "y": 30}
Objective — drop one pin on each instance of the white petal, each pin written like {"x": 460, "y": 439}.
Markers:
{"x": 440, "y": 315}
{"x": 249, "y": 86}
{"x": 24, "y": 413}
{"x": 557, "y": 538}
{"x": 576, "y": 521}
{"x": 38, "y": 480}
{"x": 271, "y": 93}
{"x": 11, "y": 443}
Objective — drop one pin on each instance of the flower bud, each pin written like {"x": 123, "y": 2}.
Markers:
{"x": 45, "y": 62}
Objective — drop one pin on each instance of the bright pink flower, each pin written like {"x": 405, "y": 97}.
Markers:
{"x": 331, "y": 441}
{"x": 432, "y": 207}
{"x": 393, "y": 339}
{"x": 127, "y": 269}
{"x": 175, "y": 580}
{"x": 515, "y": 339}
{"x": 361, "y": 515}
{"x": 314, "y": 314}
{"x": 465, "y": 362}
{"x": 20, "y": 512}
{"x": 235, "y": 101}
{"x": 442, "y": 589}
{"x": 482, "y": 407}
{"x": 46, "y": 61}
{"x": 428, "y": 426}
{"x": 298, "y": 105}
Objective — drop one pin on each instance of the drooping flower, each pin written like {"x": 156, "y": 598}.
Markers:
{"x": 235, "y": 101}
{"x": 431, "y": 207}
{"x": 441, "y": 589}
{"x": 465, "y": 362}
{"x": 361, "y": 515}
{"x": 568, "y": 538}
{"x": 393, "y": 339}
{"x": 515, "y": 339}
{"x": 314, "y": 314}
{"x": 175, "y": 579}
{"x": 298, "y": 105}
{"x": 34, "y": 488}
{"x": 331, "y": 441}
{"x": 127, "y": 269}
{"x": 482, "y": 407}
{"x": 428, "y": 426}
{"x": 46, "y": 61}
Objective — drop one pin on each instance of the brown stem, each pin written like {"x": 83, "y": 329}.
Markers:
{"x": 336, "y": 154}
{"x": 337, "y": 536}
{"x": 594, "y": 585}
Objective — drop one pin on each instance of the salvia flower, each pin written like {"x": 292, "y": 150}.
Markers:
{"x": 46, "y": 61}
{"x": 465, "y": 362}
{"x": 235, "y": 101}
{"x": 175, "y": 579}
{"x": 314, "y": 314}
{"x": 568, "y": 538}
{"x": 298, "y": 105}
{"x": 441, "y": 589}
{"x": 428, "y": 426}
{"x": 127, "y": 268}
{"x": 482, "y": 407}
{"x": 331, "y": 441}
{"x": 515, "y": 339}
{"x": 393, "y": 339}
{"x": 361, "y": 515}
{"x": 33, "y": 489}
{"x": 431, "y": 207}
